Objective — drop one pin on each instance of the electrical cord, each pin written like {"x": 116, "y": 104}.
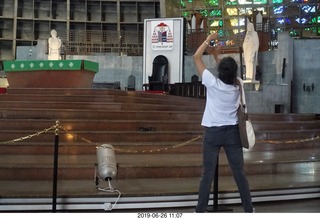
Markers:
{"x": 110, "y": 189}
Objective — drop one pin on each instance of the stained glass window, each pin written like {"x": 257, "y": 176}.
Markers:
{"x": 278, "y": 9}
{"x": 298, "y": 17}
{"x": 215, "y": 13}
{"x": 213, "y": 2}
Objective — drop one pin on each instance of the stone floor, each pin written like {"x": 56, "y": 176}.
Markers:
{"x": 293, "y": 206}
{"x": 154, "y": 186}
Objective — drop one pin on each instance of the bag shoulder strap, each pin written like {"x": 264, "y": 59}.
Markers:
{"x": 242, "y": 94}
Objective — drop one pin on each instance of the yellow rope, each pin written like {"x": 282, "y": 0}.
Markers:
{"x": 58, "y": 126}
{"x": 160, "y": 149}
{"x": 289, "y": 141}
{"x": 134, "y": 151}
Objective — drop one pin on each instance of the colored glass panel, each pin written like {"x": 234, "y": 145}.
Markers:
{"x": 296, "y": 16}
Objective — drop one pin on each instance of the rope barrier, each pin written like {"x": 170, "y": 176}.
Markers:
{"x": 58, "y": 127}
{"x": 290, "y": 141}
{"x": 29, "y": 136}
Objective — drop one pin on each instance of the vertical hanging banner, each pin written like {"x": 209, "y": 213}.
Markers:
{"x": 162, "y": 35}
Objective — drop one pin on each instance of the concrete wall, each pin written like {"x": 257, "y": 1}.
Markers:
{"x": 302, "y": 67}
{"x": 116, "y": 68}
{"x": 274, "y": 94}
{"x": 306, "y": 71}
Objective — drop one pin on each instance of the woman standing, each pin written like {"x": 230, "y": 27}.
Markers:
{"x": 221, "y": 125}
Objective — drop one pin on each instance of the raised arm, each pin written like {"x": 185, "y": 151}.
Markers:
{"x": 197, "y": 56}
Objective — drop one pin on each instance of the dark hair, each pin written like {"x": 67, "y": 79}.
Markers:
{"x": 228, "y": 70}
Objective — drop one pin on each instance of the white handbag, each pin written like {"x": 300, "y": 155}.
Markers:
{"x": 247, "y": 135}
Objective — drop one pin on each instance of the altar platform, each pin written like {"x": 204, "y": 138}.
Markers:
{"x": 50, "y": 73}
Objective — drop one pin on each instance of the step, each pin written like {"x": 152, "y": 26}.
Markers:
{"x": 78, "y": 167}
{"x": 67, "y": 91}
{"x": 58, "y": 98}
{"x": 102, "y": 136}
{"x": 285, "y": 125}
{"x": 274, "y": 146}
{"x": 148, "y": 136}
{"x": 59, "y": 105}
{"x": 83, "y": 148}
{"x": 132, "y": 125}
{"x": 191, "y": 146}
{"x": 150, "y": 133}
{"x": 13, "y": 113}
{"x": 93, "y": 106}
{"x": 101, "y": 92}
{"x": 56, "y": 114}
{"x": 287, "y": 135}
{"x": 98, "y": 125}
{"x": 199, "y": 104}
{"x": 144, "y": 187}
{"x": 289, "y": 117}
{"x": 165, "y": 100}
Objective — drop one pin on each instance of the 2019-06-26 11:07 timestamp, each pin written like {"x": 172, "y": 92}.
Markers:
{"x": 159, "y": 215}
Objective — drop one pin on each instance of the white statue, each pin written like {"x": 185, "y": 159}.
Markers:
{"x": 54, "y": 46}
{"x": 250, "y": 51}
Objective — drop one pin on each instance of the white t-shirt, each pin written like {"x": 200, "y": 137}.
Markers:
{"x": 222, "y": 102}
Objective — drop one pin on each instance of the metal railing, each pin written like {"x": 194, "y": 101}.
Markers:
{"x": 128, "y": 42}
{"x": 96, "y": 41}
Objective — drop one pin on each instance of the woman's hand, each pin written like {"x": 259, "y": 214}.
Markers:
{"x": 197, "y": 56}
{"x": 216, "y": 49}
{"x": 212, "y": 36}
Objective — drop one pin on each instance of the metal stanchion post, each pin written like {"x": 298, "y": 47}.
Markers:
{"x": 241, "y": 64}
{"x": 55, "y": 169}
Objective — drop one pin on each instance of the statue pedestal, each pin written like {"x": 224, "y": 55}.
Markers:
{"x": 50, "y": 73}
{"x": 253, "y": 85}
{"x": 3, "y": 85}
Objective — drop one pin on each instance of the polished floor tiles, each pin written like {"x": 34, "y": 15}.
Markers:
{"x": 289, "y": 206}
